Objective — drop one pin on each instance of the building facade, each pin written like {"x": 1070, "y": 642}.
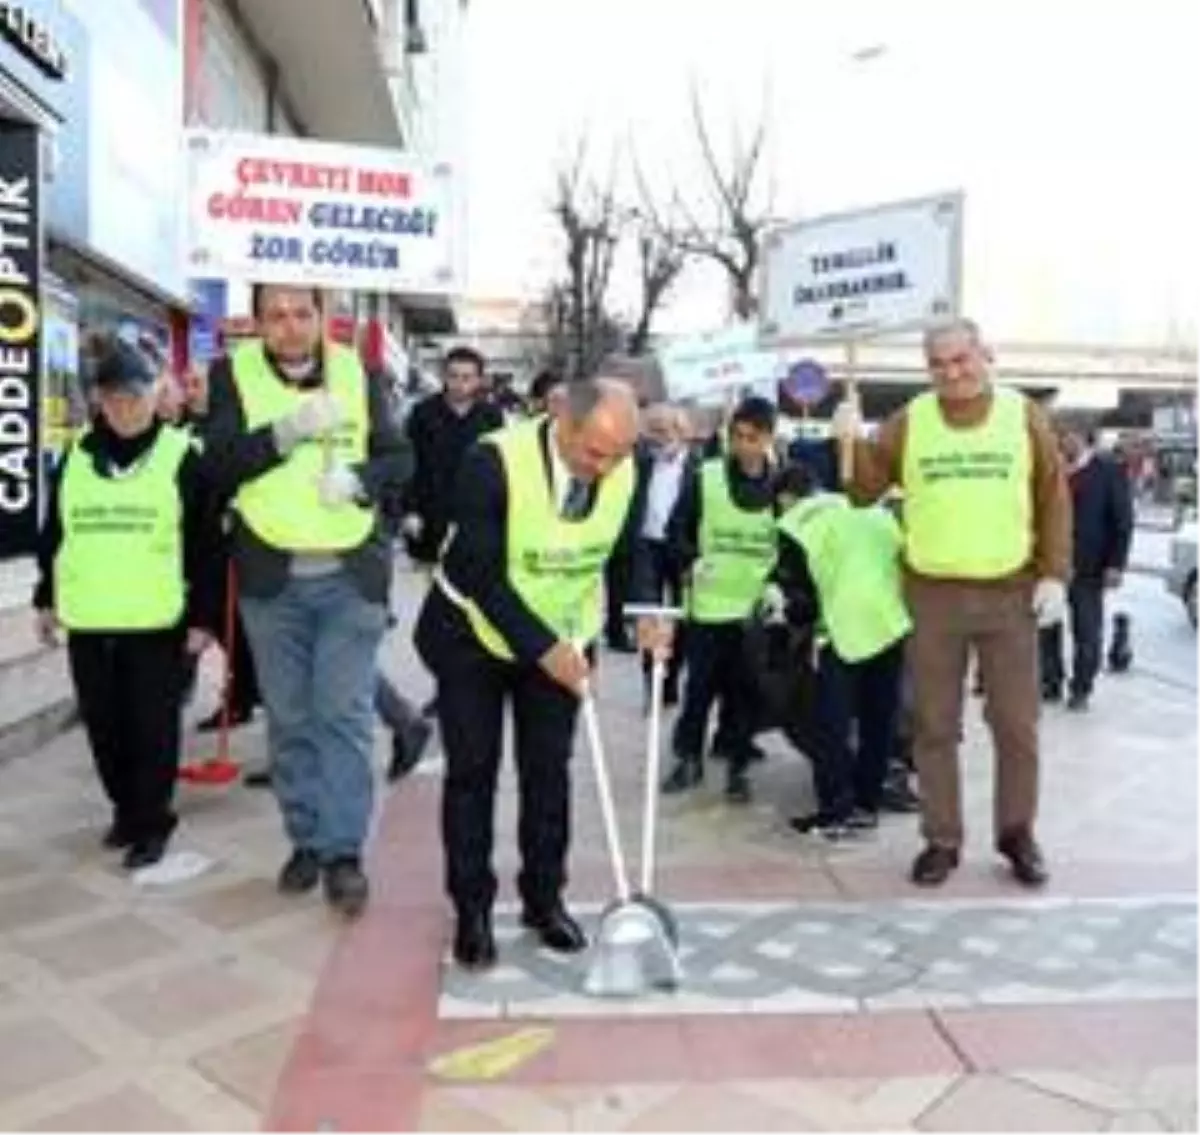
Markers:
{"x": 89, "y": 113}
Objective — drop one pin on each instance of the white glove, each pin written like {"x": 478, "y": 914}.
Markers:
{"x": 772, "y": 605}
{"x": 339, "y": 486}
{"x": 1049, "y": 602}
{"x": 412, "y": 526}
{"x": 318, "y": 414}
{"x": 847, "y": 421}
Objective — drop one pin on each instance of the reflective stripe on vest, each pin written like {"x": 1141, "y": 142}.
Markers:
{"x": 968, "y": 506}
{"x": 120, "y": 564}
{"x": 556, "y": 566}
{"x": 737, "y": 551}
{"x": 282, "y": 507}
{"x": 853, "y": 557}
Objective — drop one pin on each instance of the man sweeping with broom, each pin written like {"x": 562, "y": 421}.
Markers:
{"x": 516, "y": 603}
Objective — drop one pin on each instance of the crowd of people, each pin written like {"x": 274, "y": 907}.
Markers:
{"x": 839, "y": 592}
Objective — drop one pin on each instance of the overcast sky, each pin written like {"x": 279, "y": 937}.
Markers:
{"x": 1070, "y": 125}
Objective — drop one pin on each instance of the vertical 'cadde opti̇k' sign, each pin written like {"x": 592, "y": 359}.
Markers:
{"x": 20, "y": 337}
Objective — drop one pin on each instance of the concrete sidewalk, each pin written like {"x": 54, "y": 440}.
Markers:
{"x": 824, "y": 992}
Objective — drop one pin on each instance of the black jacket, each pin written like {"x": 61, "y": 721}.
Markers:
{"x": 440, "y": 439}
{"x": 200, "y": 513}
{"x": 1102, "y": 505}
{"x": 474, "y": 563}
{"x": 235, "y": 456}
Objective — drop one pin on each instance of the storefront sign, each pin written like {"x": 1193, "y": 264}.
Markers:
{"x": 20, "y": 337}
{"x": 892, "y": 268}
{"x": 33, "y": 39}
{"x": 279, "y": 210}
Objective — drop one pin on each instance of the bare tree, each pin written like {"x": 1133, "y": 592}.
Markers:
{"x": 661, "y": 258}
{"x": 592, "y": 221}
{"x": 740, "y": 212}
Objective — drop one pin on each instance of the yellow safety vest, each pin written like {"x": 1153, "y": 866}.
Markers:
{"x": 556, "y": 566}
{"x": 120, "y": 564}
{"x": 968, "y": 506}
{"x": 853, "y": 556}
{"x": 736, "y": 553}
{"x": 282, "y": 507}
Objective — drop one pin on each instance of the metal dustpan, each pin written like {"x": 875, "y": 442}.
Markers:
{"x": 635, "y": 948}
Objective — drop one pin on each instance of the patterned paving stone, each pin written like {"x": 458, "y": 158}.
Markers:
{"x": 789, "y": 957}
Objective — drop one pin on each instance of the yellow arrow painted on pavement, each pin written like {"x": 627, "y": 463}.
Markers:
{"x": 494, "y": 1058}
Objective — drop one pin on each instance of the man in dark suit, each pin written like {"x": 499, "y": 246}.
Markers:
{"x": 664, "y": 466}
{"x": 1102, "y": 508}
{"x": 514, "y": 608}
{"x": 441, "y": 429}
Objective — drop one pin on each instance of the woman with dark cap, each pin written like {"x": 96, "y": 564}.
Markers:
{"x": 126, "y": 568}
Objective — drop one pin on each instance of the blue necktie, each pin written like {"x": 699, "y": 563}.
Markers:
{"x": 575, "y": 504}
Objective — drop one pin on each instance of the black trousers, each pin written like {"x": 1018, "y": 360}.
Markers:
{"x": 473, "y": 689}
{"x": 667, "y": 585}
{"x": 618, "y": 578}
{"x": 130, "y": 692}
{"x": 865, "y": 695}
{"x": 716, "y": 671}
{"x": 1085, "y": 603}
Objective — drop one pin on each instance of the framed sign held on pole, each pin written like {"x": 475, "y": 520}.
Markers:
{"x": 887, "y": 269}
{"x": 847, "y": 277}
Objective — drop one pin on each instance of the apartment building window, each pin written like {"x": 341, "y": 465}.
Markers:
{"x": 235, "y": 85}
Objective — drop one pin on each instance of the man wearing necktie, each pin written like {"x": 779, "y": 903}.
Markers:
{"x": 516, "y": 605}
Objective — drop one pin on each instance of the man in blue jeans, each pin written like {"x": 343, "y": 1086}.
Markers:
{"x": 306, "y": 446}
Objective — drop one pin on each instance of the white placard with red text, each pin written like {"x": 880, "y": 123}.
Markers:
{"x": 286, "y": 210}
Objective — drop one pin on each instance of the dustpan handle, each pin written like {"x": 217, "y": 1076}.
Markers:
{"x": 653, "y": 762}
{"x": 608, "y": 811}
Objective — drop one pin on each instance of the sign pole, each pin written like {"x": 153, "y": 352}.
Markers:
{"x": 846, "y": 444}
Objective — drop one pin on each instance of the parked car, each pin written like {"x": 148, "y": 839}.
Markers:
{"x": 1181, "y": 575}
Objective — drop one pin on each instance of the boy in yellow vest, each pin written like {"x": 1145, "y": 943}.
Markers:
{"x": 723, "y": 534}
{"x": 126, "y": 560}
{"x": 841, "y": 564}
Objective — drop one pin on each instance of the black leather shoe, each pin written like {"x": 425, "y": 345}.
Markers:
{"x": 687, "y": 773}
{"x": 474, "y": 943}
{"x": 557, "y": 930}
{"x": 1078, "y": 702}
{"x": 1025, "y": 858}
{"x": 1051, "y": 694}
{"x": 934, "y": 865}
{"x": 408, "y": 747}
{"x": 346, "y": 887}
{"x": 300, "y": 873}
{"x": 144, "y": 853}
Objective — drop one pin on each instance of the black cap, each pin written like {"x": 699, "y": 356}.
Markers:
{"x": 120, "y": 367}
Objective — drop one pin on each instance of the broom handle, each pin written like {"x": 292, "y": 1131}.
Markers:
{"x": 653, "y": 758}
{"x": 608, "y": 811}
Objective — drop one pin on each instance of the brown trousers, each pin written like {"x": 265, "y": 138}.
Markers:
{"x": 951, "y": 619}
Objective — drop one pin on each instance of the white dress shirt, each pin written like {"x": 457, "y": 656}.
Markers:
{"x": 560, "y": 475}
{"x": 666, "y": 478}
